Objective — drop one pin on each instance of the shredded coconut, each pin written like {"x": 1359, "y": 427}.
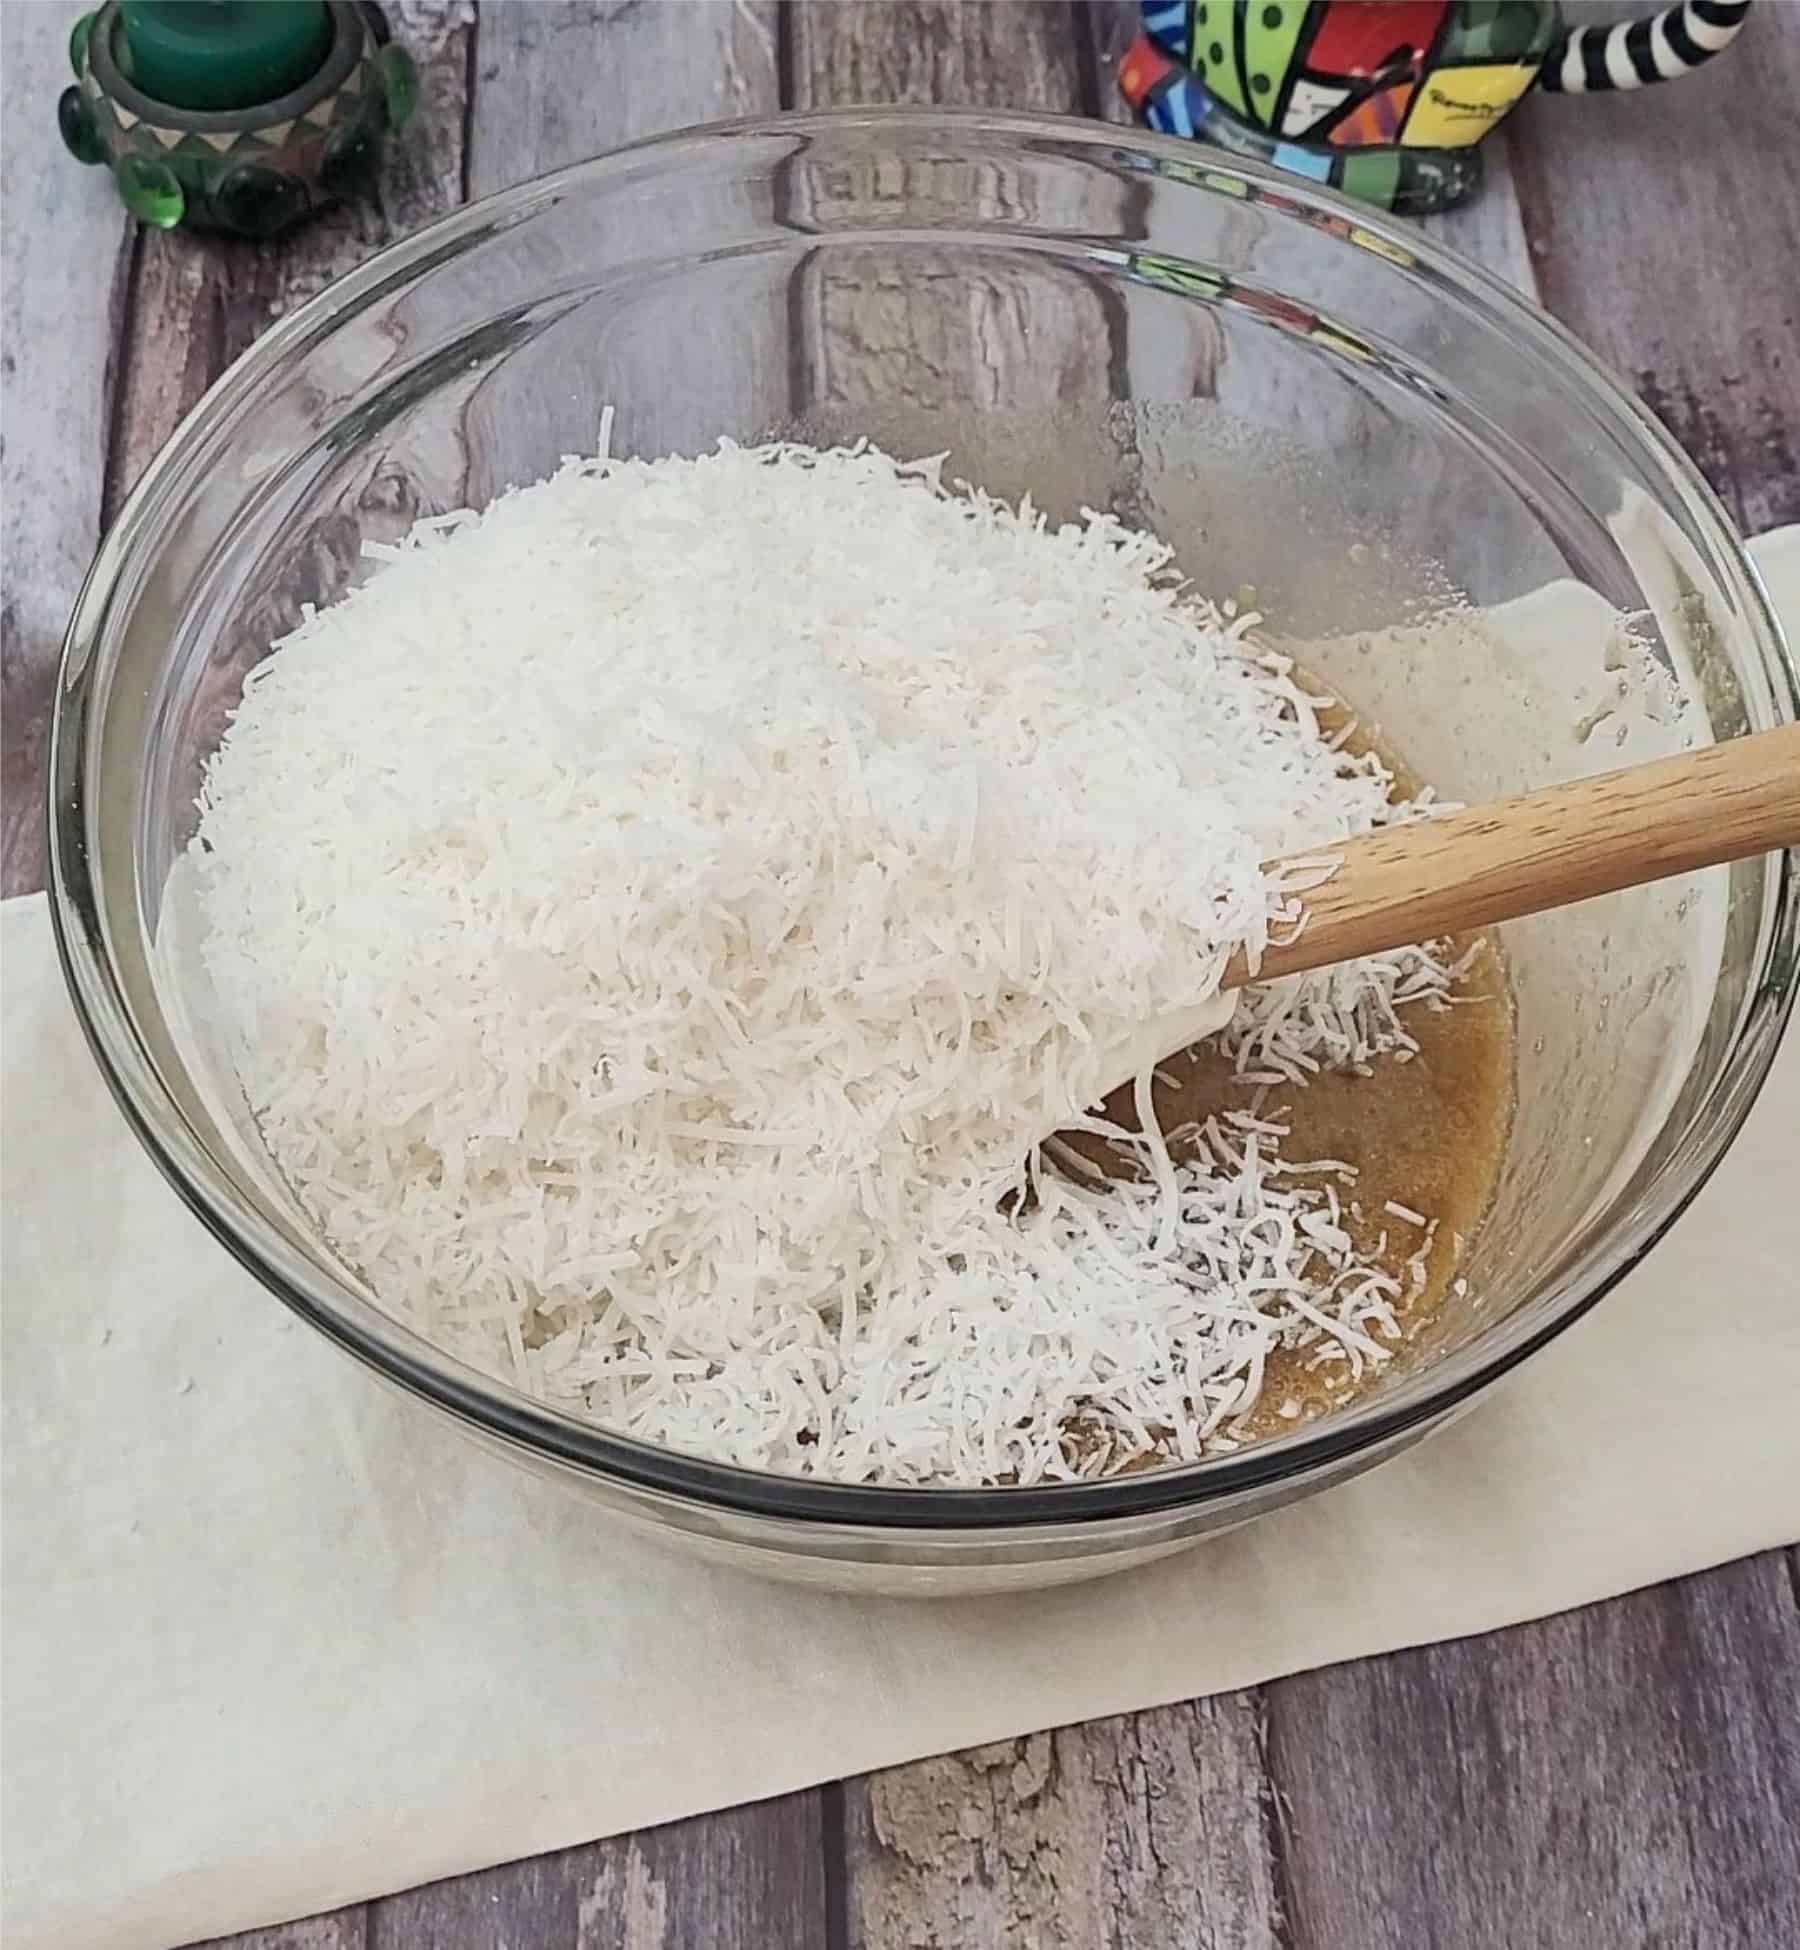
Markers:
{"x": 656, "y": 916}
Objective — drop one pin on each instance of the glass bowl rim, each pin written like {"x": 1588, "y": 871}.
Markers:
{"x": 495, "y": 1408}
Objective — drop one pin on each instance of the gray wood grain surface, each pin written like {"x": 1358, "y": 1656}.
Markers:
{"x": 1667, "y": 240}
{"x": 558, "y": 80}
{"x": 872, "y": 348}
{"x": 978, "y": 54}
{"x": 1147, "y": 1829}
{"x": 66, "y": 273}
{"x": 744, "y": 1876}
{"x": 1622, "y": 1775}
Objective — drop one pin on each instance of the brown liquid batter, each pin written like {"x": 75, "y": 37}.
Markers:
{"x": 1428, "y": 1134}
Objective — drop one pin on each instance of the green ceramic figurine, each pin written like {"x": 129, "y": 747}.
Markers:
{"x": 234, "y": 115}
{"x": 1387, "y": 99}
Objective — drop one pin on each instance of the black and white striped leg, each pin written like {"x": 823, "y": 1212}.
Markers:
{"x": 1592, "y": 60}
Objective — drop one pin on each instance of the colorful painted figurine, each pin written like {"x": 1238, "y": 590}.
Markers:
{"x": 234, "y": 115}
{"x": 1387, "y": 99}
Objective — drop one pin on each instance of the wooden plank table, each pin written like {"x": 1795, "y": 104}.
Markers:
{"x": 1623, "y": 1775}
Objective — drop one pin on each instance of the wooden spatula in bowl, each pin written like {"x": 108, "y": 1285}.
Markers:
{"x": 1511, "y": 857}
{"x": 1544, "y": 849}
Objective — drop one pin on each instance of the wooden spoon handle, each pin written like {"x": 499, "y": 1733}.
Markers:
{"x": 1545, "y": 849}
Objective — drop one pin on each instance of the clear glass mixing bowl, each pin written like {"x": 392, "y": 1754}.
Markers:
{"x": 1427, "y": 485}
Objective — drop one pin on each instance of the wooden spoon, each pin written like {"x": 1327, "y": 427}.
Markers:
{"x": 1545, "y": 849}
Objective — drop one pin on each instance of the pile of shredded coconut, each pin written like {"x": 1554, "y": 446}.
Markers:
{"x": 656, "y": 918}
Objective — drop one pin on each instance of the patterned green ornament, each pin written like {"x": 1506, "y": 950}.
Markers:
{"x": 254, "y": 169}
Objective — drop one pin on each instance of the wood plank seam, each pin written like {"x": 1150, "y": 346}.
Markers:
{"x": 834, "y": 1851}
{"x": 471, "y": 57}
{"x": 1276, "y": 1813}
{"x": 787, "y": 52}
{"x": 1088, "y": 31}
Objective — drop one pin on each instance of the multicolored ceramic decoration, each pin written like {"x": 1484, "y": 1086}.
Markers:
{"x": 1387, "y": 99}
{"x": 234, "y": 115}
